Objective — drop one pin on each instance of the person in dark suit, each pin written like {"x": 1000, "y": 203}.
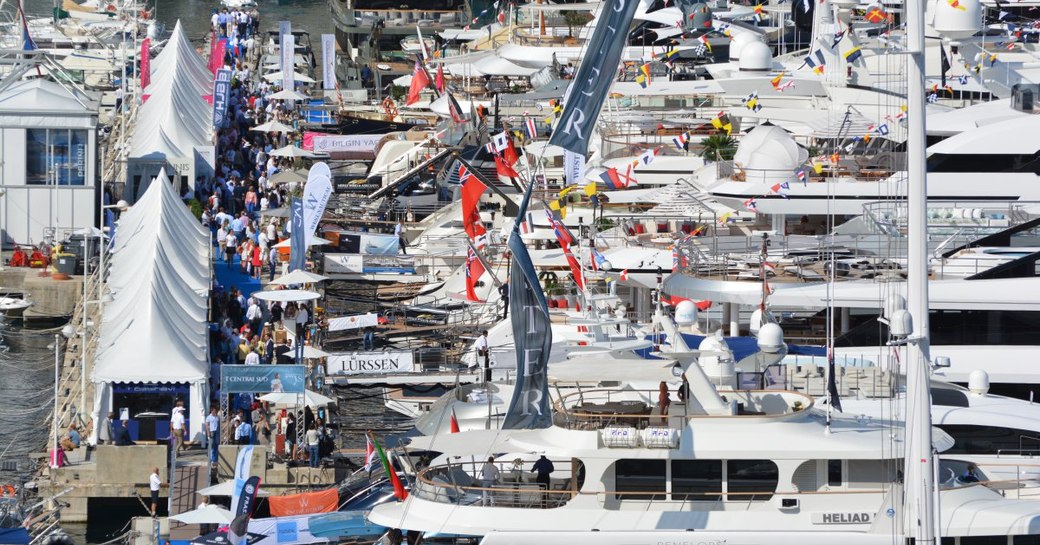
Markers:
{"x": 121, "y": 434}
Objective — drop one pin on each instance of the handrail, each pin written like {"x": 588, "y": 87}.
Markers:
{"x": 561, "y": 407}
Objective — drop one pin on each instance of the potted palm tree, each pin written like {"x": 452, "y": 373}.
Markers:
{"x": 718, "y": 147}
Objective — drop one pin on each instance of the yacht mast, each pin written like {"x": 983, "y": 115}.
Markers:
{"x": 918, "y": 464}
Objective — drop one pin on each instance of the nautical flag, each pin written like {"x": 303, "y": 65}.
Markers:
{"x": 724, "y": 30}
{"x": 399, "y": 490}
{"x": 817, "y": 167}
{"x": 775, "y": 82}
{"x": 627, "y": 178}
{"x": 759, "y": 13}
{"x": 725, "y": 217}
{"x": 648, "y": 156}
{"x": 645, "y": 70}
{"x": 751, "y": 102}
{"x": 598, "y": 260}
{"x": 802, "y": 176}
{"x": 563, "y": 235}
{"x": 680, "y": 141}
{"x": 956, "y": 4}
{"x": 454, "y": 422}
{"x": 944, "y": 65}
{"x": 882, "y": 129}
{"x": 472, "y": 189}
{"x": 721, "y": 122}
{"x": 853, "y": 54}
{"x": 780, "y": 189}
{"x": 876, "y": 15}
{"x": 933, "y": 98}
{"x": 420, "y": 80}
{"x": 703, "y": 39}
{"x": 963, "y": 80}
{"x": 624, "y": 275}
{"x": 370, "y": 454}
{"x": 455, "y": 110}
{"x": 838, "y": 37}
{"x": 503, "y": 168}
{"x": 440, "y": 78}
{"x": 602, "y": 50}
{"x": 532, "y": 129}
{"x": 474, "y": 270}
{"x": 700, "y": 50}
{"x": 590, "y": 189}
{"x": 501, "y": 141}
{"x": 816, "y": 63}
{"x": 611, "y": 178}
{"x": 750, "y": 204}
{"x": 642, "y": 81}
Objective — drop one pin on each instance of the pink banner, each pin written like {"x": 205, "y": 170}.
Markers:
{"x": 217, "y": 50}
{"x": 308, "y": 140}
{"x": 146, "y": 62}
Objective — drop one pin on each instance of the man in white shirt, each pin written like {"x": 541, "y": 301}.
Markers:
{"x": 252, "y": 358}
{"x": 254, "y": 314}
{"x": 154, "y": 484}
{"x": 230, "y": 246}
{"x": 177, "y": 425}
{"x": 481, "y": 346}
{"x": 489, "y": 476}
{"x": 213, "y": 433}
{"x": 312, "y": 446}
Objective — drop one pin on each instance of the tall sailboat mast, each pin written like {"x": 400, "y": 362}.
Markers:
{"x": 919, "y": 475}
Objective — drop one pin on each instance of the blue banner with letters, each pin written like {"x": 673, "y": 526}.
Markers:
{"x": 262, "y": 379}
{"x": 597, "y": 71}
{"x": 532, "y": 336}
{"x": 297, "y": 238}
{"x": 221, "y": 96}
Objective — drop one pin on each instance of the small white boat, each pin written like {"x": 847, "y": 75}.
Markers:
{"x": 238, "y": 3}
{"x": 13, "y": 307}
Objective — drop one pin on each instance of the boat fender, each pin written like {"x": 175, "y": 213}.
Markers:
{"x": 8, "y": 490}
{"x": 58, "y": 538}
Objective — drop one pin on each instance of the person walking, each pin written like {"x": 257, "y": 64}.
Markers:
{"x": 213, "y": 433}
{"x": 543, "y": 468}
{"x": 230, "y": 246}
{"x": 154, "y": 484}
{"x": 489, "y": 476}
{"x": 244, "y": 431}
{"x": 177, "y": 426}
{"x": 481, "y": 346}
{"x": 399, "y": 233}
{"x": 106, "y": 435}
{"x": 503, "y": 293}
{"x": 312, "y": 446}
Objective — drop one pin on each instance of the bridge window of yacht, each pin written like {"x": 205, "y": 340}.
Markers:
{"x": 969, "y": 439}
{"x": 639, "y": 479}
{"x": 696, "y": 480}
{"x": 960, "y": 328}
{"x": 751, "y": 480}
{"x": 834, "y": 473}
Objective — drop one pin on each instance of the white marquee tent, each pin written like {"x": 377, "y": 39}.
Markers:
{"x": 154, "y": 330}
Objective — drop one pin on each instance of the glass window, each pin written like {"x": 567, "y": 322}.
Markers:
{"x": 990, "y": 439}
{"x": 696, "y": 480}
{"x": 834, "y": 473}
{"x": 753, "y": 480}
{"x": 55, "y": 156}
{"x": 639, "y": 479}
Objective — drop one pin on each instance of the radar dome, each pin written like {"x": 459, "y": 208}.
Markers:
{"x": 978, "y": 382}
{"x": 770, "y": 148}
{"x": 957, "y": 19}
{"x": 756, "y": 56}
{"x": 759, "y": 319}
{"x": 736, "y": 45}
{"x": 770, "y": 338}
{"x": 685, "y": 313}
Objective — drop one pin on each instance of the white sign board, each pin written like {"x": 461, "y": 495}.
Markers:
{"x": 573, "y": 167}
{"x": 328, "y": 62}
{"x": 344, "y": 263}
{"x": 354, "y": 322}
{"x": 371, "y": 363}
{"x": 332, "y": 143}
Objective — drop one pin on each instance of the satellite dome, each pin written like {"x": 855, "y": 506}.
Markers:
{"x": 770, "y": 148}
{"x": 770, "y": 338}
{"x": 700, "y": 16}
{"x": 958, "y": 22}
{"x": 685, "y": 313}
{"x": 756, "y": 56}
{"x": 978, "y": 382}
{"x": 739, "y": 41}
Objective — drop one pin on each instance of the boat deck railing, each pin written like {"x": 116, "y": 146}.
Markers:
{"x": 460, "y": 484}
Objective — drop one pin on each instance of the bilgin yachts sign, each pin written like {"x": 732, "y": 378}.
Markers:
{"x": 370, "y": 363}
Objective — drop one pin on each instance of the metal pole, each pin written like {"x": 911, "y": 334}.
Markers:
{"x": 83, "y": 335}
{"x": 57, "y": 368}
{"x": 919, "y": 474}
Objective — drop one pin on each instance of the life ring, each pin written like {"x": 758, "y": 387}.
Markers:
{"x": 8, "y": 490}
{"x": 110, "y": 7}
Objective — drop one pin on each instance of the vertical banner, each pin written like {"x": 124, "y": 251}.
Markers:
{"x": 316, "y": 193}
{"x": 284, "y": 27}
{"x": 328, "y": 62}
{"x": 532, "y": 335}
{"x": 239, "y": 526}
{"x": 146, "y": 63}
{"x": 573, "y": 167}
{"x": 288, "y": 45}
{"x": 297, "y": 238}
{"x": 221, "y": 93}
{"x": 242, "y": 463}
{"x": 218, "y": 48}
{"x": 594, "y": 76}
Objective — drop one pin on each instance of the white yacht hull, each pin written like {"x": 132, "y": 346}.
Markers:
{"x": 666, "y": 537}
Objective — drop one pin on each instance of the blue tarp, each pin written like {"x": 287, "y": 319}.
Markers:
{"x": 742, "y": 347}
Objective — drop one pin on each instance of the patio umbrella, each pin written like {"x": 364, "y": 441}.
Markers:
{"x": 224, "y": 489}
{"x": 277, "y": 76}
{"x": 210, "y": 514}
{"x": 309, "y": 352}
{"x": 273, "y": 126}
{"x": 310, "y": 399}
{"x": 288, "y": 176}
{"x": 316, "y": 241}
{"x": 299, "y": 277}
{"x": 286, "y": 94}
{"x": 285, "y": 296}
{"x": 292, "y": 151}
{"x": 280, "y": 212}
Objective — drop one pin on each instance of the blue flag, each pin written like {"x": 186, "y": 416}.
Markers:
{"x": 298, "y": 237}
{"x": 595, "y": 74}
{"x": 221, "y": 95}
{"x": 532, "y": 334}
